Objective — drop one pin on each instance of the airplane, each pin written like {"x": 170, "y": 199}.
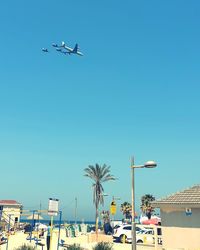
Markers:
{"x": 61, "y": 51}
{"x": 55, "y": 45}
{"x": 75, "y": 50}
{"x": 45, "y": 50}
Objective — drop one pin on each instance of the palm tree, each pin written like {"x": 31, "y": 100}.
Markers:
{"x": 99, "y": 174}
{"x": 146, "y": 204}
{"x": 126, "y": 209}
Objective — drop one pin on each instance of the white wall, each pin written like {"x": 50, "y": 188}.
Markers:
{"x": 181, "y": 238}
{"x": 13, "y": 211}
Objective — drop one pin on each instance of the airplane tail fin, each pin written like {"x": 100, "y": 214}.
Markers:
{"x": 76, "y": 48}
{"x": 63, "y": 44}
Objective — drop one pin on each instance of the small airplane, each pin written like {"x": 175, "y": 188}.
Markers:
{"x": 62, "y": 51}
{"x": 55, "y": 45}
{"x": 59, "y": 50}
{"x": 69, "y": 50}
{"x": 45, "y": 50}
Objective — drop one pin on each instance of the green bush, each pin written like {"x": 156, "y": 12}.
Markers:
{"x": 103, "y": 246}
{"x": 25, "y": 247}
{"x": 75, "y": 247}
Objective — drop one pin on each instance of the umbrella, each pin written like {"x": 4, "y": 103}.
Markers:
{"x": 41, "y": 226}
{"x": 36, "y": 217}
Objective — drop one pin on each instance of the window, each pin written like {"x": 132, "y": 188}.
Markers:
{"x": 127, "y": 228}
{"x": 149, "y": 232}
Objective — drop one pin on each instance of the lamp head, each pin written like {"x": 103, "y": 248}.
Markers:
{"x": 116, "y": 198}
{"x": 150, "y": 164}
{"x": 104, "y": 194}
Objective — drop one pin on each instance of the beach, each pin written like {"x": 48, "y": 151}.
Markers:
{"x": 19, "y": 238}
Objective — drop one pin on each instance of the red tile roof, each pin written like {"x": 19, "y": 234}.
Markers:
{"x": 9, "y": 202}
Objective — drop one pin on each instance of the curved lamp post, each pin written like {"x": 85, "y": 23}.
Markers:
{"x": 148, "y": 164}
{"x": 97, "y": 220}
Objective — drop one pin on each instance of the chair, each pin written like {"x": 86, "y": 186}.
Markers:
{"x": 62, "y": 244}
{"x": 39, "y": 244}
{"x": 3, "y": 241}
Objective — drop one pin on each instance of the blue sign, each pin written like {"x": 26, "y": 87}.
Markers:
{"x": 188, "y": 211}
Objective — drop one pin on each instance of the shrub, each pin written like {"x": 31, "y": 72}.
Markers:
{"x": 74, "y": 247}
{"x": 25, "y": 247}
{"x": 103, "y": 246}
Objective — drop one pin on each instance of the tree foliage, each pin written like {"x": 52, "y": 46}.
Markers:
{"x": 126, "y": 209}
{"x": 146, "y": 204}
{"x": 105, "y": 215}
{"x": 75, "y": 247}
{"x": 99, "y": 175}
{"x": 25, "y": 247}
{"x": 103, "y": 246}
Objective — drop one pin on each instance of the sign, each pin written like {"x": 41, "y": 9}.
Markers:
{"x": 188, "y": 211}
{"x": 113, "y": 208}
{"x": 53, "y": 207}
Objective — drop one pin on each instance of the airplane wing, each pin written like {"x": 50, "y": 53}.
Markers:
{"x": 68, "y": 48}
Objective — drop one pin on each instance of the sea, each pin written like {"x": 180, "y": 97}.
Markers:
{"x": 56, "y": 222}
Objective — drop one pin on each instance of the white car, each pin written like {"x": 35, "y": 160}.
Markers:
{"x": 145, "y": 236}
{"x": 123, "y": 233}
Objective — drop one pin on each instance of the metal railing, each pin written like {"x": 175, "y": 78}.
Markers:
{"x": 154, "y": 239}
{"x": 5, "y": 217}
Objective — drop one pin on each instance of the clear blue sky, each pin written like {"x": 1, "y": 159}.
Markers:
{"x": 135, "y": 92}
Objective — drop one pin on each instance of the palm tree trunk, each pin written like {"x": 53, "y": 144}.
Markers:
{"x": 97, "y": 218}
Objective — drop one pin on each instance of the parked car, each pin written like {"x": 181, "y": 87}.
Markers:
{"x": 145, "y": 236}
{"x": 122, "y": 233}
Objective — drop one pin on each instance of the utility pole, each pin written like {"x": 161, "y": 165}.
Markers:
{"x": 39, "y": 212}
{"x": 75, "y": 212}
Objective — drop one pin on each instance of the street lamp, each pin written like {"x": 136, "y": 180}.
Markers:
{"x": 148, "y": 164}
{"x": 116, "y": 198}
{"x": 97, "y": 219}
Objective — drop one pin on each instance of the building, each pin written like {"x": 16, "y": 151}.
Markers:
{"x": 10, "y": 210}
{"x": 180, "y": 216}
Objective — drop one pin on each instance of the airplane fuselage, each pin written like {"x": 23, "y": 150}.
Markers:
{"x": 72, "y": 51}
